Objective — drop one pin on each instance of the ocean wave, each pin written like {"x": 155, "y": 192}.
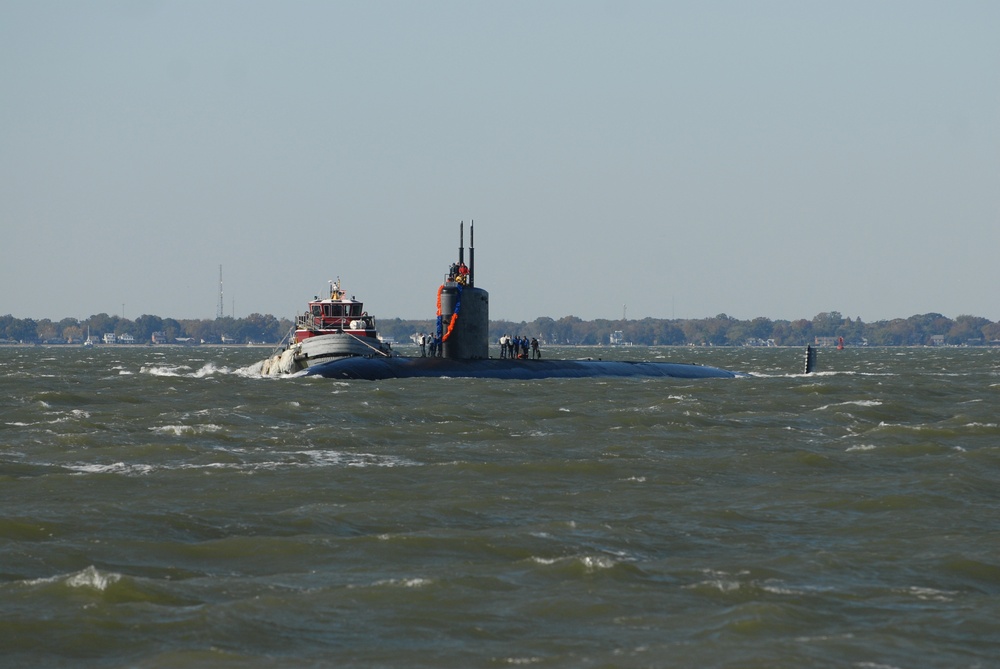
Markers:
{"x": 942, "y": 430}
{"x": 250, "y": 370}
{"x": 340, "y": 458}
{"x": 860, "y": 403}
{"x": 178, "y": 430}
{"x": 724, "y": 582}
{"x": 185, "y": 371}
{"x": 94, "y": 586}
{"x": 293, "y": 460}
{"x": 718, "y": 584}
{"x": 587, "y": 564}
{"x": 90, "y": 577}
{"x": 931, "y": 594}
{"x": 112, "y": 468}
{"x": 862, "y": 447}
{"x": 164, "y": 370}
{"x": 405, "y": 582}
{"x": 814, "y": 375}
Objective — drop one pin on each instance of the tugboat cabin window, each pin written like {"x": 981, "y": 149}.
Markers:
{"x": 317, "y": 310}
{"x": 355, "y": 311}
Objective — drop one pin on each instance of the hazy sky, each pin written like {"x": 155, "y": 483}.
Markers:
{"x": 687, "y": 159}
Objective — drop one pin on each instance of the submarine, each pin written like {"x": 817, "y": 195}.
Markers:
{"x": 462, "y": 328}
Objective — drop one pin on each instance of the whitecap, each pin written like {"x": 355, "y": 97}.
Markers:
{"x": 860, "y": 403}
{"x": 545, "y": 561}
{"x": 113, "y": 468}
{"x": 517, "y": 661}
{"x": 591, "y": 563}
{"x": 165, "y": 370}
{"x": 406, "y": 582}
{"x": 779, "y": 589}
{"x": 862, "y": 447}
{"x": 720, "y": 580}
{"x": 208, "y": 369}
{"x": 338, "y": 458}
{"x": 178, "y": 430}
{"x": 720, "y": 584}
{"x": 931, "y": 594}
{"x": 92, "y": 578}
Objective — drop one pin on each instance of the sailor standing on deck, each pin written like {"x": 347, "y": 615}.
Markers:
{"x": 423, "y": 346}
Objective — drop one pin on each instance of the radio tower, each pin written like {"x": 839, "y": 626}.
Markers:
{"x": 221, "y": 306}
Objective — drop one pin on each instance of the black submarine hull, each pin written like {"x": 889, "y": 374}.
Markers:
{"x": 376, "y": 369}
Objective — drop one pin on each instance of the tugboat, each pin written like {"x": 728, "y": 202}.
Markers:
{"x": 334, "y": 328}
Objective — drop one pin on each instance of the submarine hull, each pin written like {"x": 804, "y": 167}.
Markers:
{"x": 374, "y": 369}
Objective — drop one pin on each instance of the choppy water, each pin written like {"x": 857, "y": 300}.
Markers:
{"x": 160, "y": 508}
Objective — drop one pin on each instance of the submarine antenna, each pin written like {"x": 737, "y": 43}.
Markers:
{"x": 461, "y": 242}
{"x": 472, "y": 256}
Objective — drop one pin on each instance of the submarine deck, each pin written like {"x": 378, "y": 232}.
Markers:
{"x": 374, "y": 369}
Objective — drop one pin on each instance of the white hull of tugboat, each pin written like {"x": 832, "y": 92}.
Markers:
{"x": 320, "y": 349}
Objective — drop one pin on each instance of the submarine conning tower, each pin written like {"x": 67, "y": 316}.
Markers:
{"x": 463, "y": 315}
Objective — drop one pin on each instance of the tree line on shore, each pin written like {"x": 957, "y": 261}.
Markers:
{"x": 721, "y": 330}
{"x": 257, "y": 328}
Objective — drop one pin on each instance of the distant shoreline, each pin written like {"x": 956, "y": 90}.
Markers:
{"x": 111, "y": 346}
